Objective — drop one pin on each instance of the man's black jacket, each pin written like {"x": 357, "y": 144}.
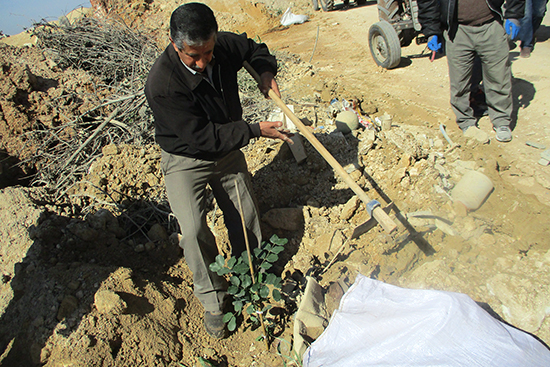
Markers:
{"x": 435, "y": 16}
{"x": 194, "y": 119}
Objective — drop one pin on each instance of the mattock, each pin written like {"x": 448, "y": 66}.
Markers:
{"x": 373, "y": 206}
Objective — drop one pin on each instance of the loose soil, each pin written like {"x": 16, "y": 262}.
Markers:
{"x": 83, "y": 285}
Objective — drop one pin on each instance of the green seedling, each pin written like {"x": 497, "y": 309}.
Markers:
{"x": 250, "y": 284}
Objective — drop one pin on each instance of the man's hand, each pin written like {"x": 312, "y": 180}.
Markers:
{"x": 269, "y": 129}
{"x": 512, "y": 26}
{"x": 434, "y": 44}
{"x": 268, "y": 82}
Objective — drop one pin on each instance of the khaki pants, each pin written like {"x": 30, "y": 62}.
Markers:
{"x": 489, "y": 42}
{"x": 186, "y": 180}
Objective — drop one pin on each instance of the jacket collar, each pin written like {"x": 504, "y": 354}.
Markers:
{"x": 192, "y": 80}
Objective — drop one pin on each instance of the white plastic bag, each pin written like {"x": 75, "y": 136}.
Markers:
{"x": 378, "y": 324}
{"x": 289, "y": 18}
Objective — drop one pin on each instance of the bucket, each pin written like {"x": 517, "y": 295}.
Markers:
{"x": 472, "y": 189}
{"x": 385, "y": 122}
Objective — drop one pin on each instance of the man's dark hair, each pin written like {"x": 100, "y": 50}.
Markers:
{"x": 192, "y": 23}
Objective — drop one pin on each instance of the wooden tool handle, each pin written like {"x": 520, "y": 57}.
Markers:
{"x": 378, "y": 213}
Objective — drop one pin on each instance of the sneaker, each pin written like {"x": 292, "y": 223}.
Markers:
{"x": 503, "y": 134}
{"x": 525, "y": 52}
{"x": 214, "y": 325}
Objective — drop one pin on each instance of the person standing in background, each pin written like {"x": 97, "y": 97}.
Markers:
{"x": 534, "y": 13}
{"x": 474, "y": 28}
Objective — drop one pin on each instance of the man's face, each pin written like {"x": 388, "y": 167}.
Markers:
{"x": 196, "y": 57}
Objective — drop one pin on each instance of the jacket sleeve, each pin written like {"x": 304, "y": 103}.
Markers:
{"x": 514, "y": 9}
{"x": 429, "y": 17}
{"x": 241, "y": 48}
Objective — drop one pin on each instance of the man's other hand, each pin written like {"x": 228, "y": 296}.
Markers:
{"x": 270, "y": 129}
{"x": 512, "y": 27}
{"x": 434, "y": 44}
{"x": 268, "y": 82}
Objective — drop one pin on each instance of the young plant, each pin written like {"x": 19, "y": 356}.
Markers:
{"x": 249, "y": 284}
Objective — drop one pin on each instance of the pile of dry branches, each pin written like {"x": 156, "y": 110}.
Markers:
{"x": 119, "y": 58}
{"x": 108, "y": 49}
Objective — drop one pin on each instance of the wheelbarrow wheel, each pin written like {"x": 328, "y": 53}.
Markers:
{"x": 384, "y": 44}
{"x": 327, "y": 5}
{"x": 315, "y": 4}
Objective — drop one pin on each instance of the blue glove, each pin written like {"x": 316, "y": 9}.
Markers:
{"x": 433, "y": 43}
{"x": 512, "y": 28}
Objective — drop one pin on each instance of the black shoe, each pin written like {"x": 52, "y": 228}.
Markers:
{"x": 214, "y": 325}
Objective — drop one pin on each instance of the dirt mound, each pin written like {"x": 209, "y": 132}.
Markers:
{"x": 36, "y": 94}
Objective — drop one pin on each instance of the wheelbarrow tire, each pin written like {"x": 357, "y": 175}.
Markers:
{"x": 327, "y": 5}
{"x": 388, "y": 10}
{"x": 384, "y": 45}
{"x": 315, "y": 4}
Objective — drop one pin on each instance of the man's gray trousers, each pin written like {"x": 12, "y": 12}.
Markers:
{"x": 489, "y": 41}
{"x": 186, "y": 180}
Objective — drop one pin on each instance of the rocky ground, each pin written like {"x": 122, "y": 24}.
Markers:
{"x": 95, "y": 278}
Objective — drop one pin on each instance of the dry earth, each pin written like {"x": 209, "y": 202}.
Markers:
{"x": 82, "y": 286}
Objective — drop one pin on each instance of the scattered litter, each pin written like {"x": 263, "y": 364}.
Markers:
{"x": 535, "y": 145}
{"x": 336, "y": 106}
{"x": 290, "y": 18}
